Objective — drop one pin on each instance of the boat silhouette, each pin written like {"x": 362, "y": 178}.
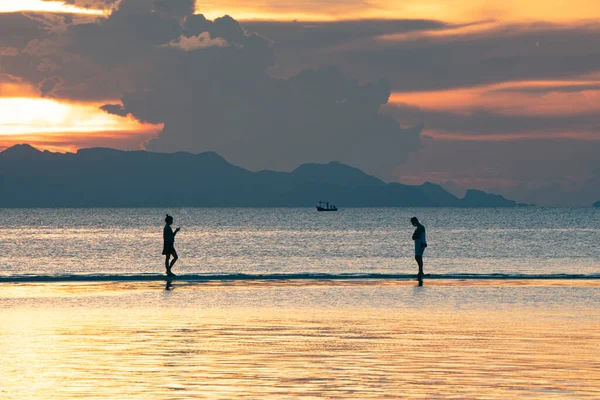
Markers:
{"x": 328, "y": 207}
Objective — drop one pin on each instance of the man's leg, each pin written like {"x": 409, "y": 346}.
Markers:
{"x": 167, "y": 262}
{"x": 419, "y": 260}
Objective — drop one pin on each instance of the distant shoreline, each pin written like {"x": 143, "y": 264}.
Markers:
{"x": 292, "y": 277}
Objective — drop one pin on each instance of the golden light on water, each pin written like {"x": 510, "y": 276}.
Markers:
{"x": 141, "y": 341}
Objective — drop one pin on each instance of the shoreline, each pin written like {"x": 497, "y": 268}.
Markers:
{"x": 294, "y": 277}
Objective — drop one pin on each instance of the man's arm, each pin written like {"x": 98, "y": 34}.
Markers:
{"x": 417, "y": 233}
{"x": 176, "y": 230}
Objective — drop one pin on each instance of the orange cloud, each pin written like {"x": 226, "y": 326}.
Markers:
{"x": 510, "y": 137}
{"x": 447, "y": 10}
{"x": 507, "y": 10}
{"x": 511, "y": 98}
{"x": 318, "y": 10}
{"x": 16, "y": 89}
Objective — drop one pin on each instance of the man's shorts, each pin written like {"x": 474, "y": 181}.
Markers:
{"x": 419, "y": 248}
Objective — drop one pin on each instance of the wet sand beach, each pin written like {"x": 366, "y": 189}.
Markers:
{"x": 301, "y": 339}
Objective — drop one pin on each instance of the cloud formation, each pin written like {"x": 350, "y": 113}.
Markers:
{"x": 479, "y": 123}
{"x": 197, "y": 42}
{"x": 95, "y": 4}
{"x": 536, "y": 142}
{"x": 208, "y": 82}
{"x": 467, "y": 56}
{"x": 501, "y": 101}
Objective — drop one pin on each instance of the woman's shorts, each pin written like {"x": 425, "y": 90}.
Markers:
{"x": 169, "y": 249}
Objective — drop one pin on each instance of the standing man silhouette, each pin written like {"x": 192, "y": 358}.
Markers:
{"x": 420, "y": 243}
{"x": 169, "y": 244}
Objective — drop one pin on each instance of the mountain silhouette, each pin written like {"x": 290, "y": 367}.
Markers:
{"x": 22, "y": 152}
{"x": 597, "y": 204}
{"x": 478, "y": 198}
{"x": 102, "y": 177}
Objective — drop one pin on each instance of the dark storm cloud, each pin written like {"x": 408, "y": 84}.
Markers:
{"x": 108, "y": 56}
{"x": 481, "y": 122}
{"x": 456, "y": 57}
{"x": 299, "y": 44}
{"x": 261, "y": 122}
{"x": 221, "y": 99}
{"x": 130, "y": 35}
{"x": 225, "y": 98}
{"x": 547, "y": 170}
{"x": 116, "y": 109}
{"x": 95, "y": 4}
{"x": 50, "y": 85}
{"x": 16, "y": 30}
{"x": 308, "y": 44}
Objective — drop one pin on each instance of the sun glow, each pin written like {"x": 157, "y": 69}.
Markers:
{"x": 19, "y": 115}
{"x": 317, "y": 10}
{"x": 243, "y": 14}
{"x": 447, "y": 10}
{"x": 45, "y": 6}
{"x": 54, "y": 125}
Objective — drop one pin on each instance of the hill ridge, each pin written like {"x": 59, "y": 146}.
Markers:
{"x": 104, "y": 177}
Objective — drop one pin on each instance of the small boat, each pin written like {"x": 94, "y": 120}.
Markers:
{"x": 328, "y": 207}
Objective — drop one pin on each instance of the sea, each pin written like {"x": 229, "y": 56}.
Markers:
{"x": 291, "y": 303}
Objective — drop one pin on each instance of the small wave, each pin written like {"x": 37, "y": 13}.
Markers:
{"x": 284, "y": 277}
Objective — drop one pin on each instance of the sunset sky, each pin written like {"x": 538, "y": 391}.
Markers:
{"x": 503, "y": 97}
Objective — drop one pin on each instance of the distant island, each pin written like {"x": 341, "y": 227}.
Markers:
{"x": 597, "y": 204}
{"x": 101, "y": 177}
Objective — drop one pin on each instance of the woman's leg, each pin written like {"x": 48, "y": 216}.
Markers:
{"x": 175, "y": 257}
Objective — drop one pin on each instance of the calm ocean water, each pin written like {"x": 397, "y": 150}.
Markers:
{"x": 300, "y": 339}
{"x": 129, "y": 241}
